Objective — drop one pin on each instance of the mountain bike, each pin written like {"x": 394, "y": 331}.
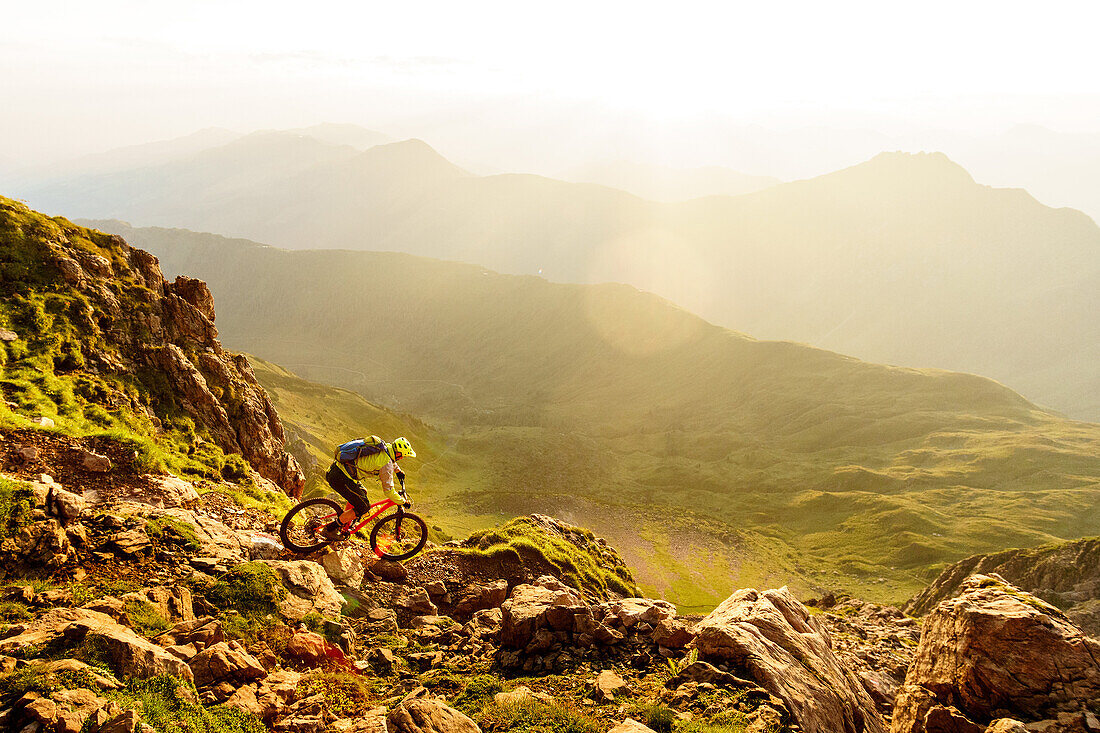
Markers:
{"x": 397, "y": 536}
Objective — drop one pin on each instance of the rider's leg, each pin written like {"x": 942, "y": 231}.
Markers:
{"x": 351, "y": 491}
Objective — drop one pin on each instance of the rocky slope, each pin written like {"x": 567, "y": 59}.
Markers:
{"x": 95, "y": 339}
{"x": 1066, "y": 575}
{"x": 155, "y": 607}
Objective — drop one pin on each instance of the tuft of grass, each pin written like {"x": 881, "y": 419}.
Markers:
{"x": 478, "y": 693}
{"x": 145, "y": 618}
{"x": 16, "y": 502}
{"x": 252, "y": 589}
{"x": 578, "y": 568}
{"x": 658, "y": 717}
{"x": 533, "y": 716}
{"x": 12, "y": 612}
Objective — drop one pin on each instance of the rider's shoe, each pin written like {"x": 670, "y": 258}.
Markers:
{"x": 334, "y": 531}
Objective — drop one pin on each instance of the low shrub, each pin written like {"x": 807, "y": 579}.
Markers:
{"x": 346, "y": 695}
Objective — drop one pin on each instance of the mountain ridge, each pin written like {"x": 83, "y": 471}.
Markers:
{"x": 901, "y": 259}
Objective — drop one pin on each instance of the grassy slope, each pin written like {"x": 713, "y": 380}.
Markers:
{"x": 49, "y": 369}
{"x": 617, "y": 411}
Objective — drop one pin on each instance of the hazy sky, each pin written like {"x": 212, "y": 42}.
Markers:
{"x": 85, "y": 76}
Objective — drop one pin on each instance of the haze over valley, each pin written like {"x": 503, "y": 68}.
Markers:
{"x": 902, "y": 259}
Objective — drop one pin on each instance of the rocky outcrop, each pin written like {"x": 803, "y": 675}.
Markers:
{"x": 1066, "y": 575}
{"x": 773, "y": 640}
{"x": 996, "y": 651}
{"x": 99, "y": 635}
{"x": 159, "y": 335}
{"x": 544, "y": 623}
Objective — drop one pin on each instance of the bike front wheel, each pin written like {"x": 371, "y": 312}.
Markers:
{"x": 398, "y": 536}
{"x": 302, "y": 526}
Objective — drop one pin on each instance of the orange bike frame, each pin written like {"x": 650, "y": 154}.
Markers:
{"x": 376, "y": 508}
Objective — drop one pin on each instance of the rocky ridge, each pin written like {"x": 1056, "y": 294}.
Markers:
{"x": 1066, "y": 575}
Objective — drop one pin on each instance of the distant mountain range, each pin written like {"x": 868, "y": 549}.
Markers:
{"x": 903, "y": 259}
{"x": 665, "y": 183}
{"x": 574, "y": 397}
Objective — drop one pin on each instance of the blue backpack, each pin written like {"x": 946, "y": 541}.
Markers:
{"x": 353, "y": 450}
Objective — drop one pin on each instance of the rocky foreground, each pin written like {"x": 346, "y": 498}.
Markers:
{"x": 181, "y": 611}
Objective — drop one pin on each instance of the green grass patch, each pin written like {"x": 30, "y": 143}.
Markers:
{"x": 167, "y": 704}
{"x": 658, "y": 717}
{"x": 12, "y": 612}
{"x": 32, "y": 679}
{"x": 522, "y": 537}
{"x": 478, "y": 693}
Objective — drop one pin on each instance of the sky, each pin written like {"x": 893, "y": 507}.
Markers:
{"x": 84, "y": 76}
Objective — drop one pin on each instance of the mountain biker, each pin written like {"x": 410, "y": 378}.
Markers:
{"x": 344, "y": 477}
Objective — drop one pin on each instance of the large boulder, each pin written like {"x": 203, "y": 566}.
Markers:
{"x": 996, "y": 651}
{"x": 309, "y": 589}
{"x": 345, "y": 565}
{"x": 225, "y": 662}
{"x": 424, "y": 715}
{"x": 772, "y": 639}
{"x": 42, "y": 545}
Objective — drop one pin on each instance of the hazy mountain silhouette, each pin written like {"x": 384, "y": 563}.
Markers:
{"x": 665, "y": 183}
{"x": 902, "y": 259}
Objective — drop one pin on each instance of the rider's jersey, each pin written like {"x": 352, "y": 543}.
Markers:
{"x": 382, "y": 465}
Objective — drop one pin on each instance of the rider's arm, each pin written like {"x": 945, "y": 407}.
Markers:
{"x": 386, "y": 474}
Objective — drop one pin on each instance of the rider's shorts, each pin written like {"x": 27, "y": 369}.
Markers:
{"x": 351, "y": 490}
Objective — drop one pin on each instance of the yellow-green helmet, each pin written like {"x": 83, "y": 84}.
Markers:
{"x": 402, "y": 446}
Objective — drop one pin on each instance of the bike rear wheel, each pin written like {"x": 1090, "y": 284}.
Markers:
{"x": 301, "y": 527}
{"x": 398, "y": 536}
